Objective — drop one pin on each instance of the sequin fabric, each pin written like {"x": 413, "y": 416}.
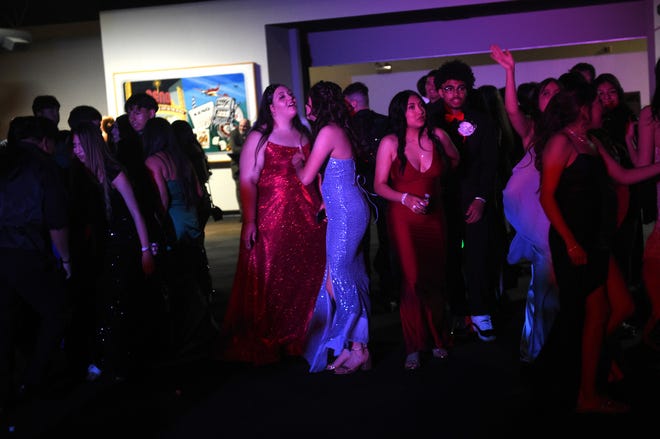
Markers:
{"x": 120, "y": 284}
{"x": 276, "y": 283}
{"x": 344, "y": 318}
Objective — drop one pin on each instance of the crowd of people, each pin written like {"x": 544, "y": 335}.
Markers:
{"x": 103, "y": 243}
{"x": 461, "y": 182}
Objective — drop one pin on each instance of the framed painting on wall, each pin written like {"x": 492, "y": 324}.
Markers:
{"x": 213, "y": 99}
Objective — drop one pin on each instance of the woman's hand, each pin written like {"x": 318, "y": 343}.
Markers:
{"x": 148, "y": 263}
{"x": 321, "y": 214}
{"x": 577, "y": 254}
{"x": 249, "y": 235}
{"x": 298, "y": 159}
{"x": 66, "y": 266}
{"x": 415, "y": 203}
{"x": 502, "y": 56}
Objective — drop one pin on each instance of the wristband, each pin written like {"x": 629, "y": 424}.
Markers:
{"x": 403, "y": 198}
{"x": 145, "y": 249}
{"x": 483, "y": 200}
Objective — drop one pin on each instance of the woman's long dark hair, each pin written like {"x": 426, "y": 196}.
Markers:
{"x": 265, "y": 123}
{"x": 535, "y": 111}
{"x": 158, "y": 135}
{"x": 98, "y": 158}
{"x": 329, "y": 107}
{"x": 612, "y": 133}
{"x": 188, "y": 141}
{"x": 562, "y": 110}
{"x": 398, "y": 126}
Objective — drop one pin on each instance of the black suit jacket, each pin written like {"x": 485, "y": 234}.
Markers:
{"x": 476, "y": 173}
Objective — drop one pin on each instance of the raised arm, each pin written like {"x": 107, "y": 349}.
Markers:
{"x": 521, "y": 123}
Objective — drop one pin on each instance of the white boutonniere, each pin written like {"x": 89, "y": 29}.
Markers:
{"x": 465, "y": 128}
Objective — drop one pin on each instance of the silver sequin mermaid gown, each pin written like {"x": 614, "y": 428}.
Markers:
{"x": 344, "y": 318}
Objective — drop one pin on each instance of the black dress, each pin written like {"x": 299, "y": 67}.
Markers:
{"x": 587, "y": 202}
{"x": 129, "y": 310}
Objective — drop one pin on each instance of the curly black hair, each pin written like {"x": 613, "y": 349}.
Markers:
{"x": 456, "y": 70}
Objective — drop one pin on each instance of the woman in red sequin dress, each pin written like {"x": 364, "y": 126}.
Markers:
{"x": 282, "y": 251}
{"x": 410, "y": 165}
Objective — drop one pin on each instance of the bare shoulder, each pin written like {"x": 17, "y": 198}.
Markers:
{"x": 558, "y": 147}
{"x": 334, "y": 141}
{"x": 389, "y": 142}
{"x": 252, "y": 139}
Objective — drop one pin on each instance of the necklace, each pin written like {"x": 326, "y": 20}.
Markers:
{"x": 582, "y": 139}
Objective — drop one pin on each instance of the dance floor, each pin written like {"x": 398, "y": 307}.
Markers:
{"x": 480, "y": 391}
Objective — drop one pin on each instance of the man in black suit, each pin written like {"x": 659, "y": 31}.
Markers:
{"x": 469, "y": 200}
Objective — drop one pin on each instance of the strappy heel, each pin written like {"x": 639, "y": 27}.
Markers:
{"x": 359, "y": 359}
{"x": 339, "y": 361}
{"x": 412, "y": 361}
{"x": 440, "y": 353}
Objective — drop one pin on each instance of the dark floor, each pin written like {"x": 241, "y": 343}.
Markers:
{"x": 480, "y": 391}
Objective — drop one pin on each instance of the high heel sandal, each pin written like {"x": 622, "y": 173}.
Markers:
{"x": 339, "y": 361}
{"x": 440, "y": 353}
{"x": 359, "y": 360}
{"x": 412, "y": 361}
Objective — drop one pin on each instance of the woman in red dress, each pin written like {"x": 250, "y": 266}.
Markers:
{"x": 282, "y": 255}
{"x": 410, "y": 165}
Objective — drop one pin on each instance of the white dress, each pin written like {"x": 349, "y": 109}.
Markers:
{"x": 524, "y": 212}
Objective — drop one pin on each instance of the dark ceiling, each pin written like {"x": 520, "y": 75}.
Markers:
{"x": 25, "y": 13}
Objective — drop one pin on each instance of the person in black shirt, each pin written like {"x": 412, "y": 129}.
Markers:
{"x": 33, "y": 228}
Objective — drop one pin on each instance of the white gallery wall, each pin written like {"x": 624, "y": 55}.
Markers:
{"x": 76, "y": 62}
